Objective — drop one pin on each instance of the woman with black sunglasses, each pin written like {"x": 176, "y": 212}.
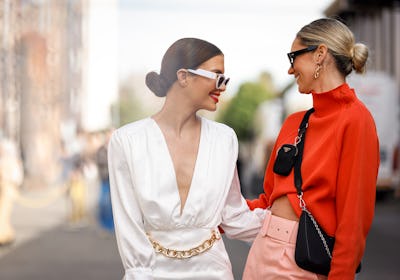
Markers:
{"x": 173, "y": 175}
{"x": 339, "y": 164}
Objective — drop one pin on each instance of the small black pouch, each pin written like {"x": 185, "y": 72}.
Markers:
{"x": 285, "y": 159}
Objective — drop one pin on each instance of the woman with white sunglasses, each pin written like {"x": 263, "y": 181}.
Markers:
{"x": 173, "y": 175}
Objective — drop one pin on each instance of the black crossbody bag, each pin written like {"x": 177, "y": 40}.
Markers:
{"x": 313, "y": 246}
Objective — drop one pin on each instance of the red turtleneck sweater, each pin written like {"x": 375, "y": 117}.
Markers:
{"x": 339, "y": 171}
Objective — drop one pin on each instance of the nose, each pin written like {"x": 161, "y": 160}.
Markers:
{"x": 222, "y": 88}
{"x": 291, "y": 70}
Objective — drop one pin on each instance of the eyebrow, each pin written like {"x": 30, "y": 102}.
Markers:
{"x": 216, "y": 71}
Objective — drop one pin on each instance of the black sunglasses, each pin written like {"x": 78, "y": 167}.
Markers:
{"x": 292, "y": 56}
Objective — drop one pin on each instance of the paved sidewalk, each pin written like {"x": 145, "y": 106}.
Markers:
{"x": 29, "y": 223}
{"x": 64, "y": 254}
{"x": 47, "y": 247}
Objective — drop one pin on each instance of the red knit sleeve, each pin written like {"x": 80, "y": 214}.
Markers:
{"x": 260, "y": 202}
{"x": 358, "y": 150}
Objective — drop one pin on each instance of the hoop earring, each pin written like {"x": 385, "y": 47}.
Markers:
{"x": 316, "y": 73}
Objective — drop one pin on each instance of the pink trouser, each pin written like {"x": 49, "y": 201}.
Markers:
{"x": 272, "y": 254}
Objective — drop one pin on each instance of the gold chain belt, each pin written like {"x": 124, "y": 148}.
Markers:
{"x": 185, "y": 254}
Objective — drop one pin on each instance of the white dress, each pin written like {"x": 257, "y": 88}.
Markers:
{"x": 145, "y": 200}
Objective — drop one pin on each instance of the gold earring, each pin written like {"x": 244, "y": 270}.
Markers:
{"x": 316, "y": 73}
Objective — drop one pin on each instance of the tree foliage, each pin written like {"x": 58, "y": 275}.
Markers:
{"x": 240, "y": 112}
{"x": 127, "y": 108}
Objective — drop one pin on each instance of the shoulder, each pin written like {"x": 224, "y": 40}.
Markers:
{"x": 131, "y": 133}
{"x": 294, "y": 120}
{"x": 220, "y": 129}
{"x": 297, "y": 116}
{"x": 132, "y": 129}
{"x": 290, "y": 127}
{"x": 222, "y": 138}
{"x": 357, "y": 114}
{"x": 353, "y": 107}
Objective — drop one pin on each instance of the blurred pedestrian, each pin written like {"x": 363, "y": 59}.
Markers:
{"x": 77, "y": 193}
{"x": 173, "y": 175}
{"x": 11, "y": 177}
{"x": 339, "y": 166}
{"x": 105, "y": 214}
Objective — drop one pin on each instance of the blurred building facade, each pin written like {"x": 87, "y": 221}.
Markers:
{"x": 40, "y": 77}
{"x": 44, "y": 75}
{"x": 376, "y": 23}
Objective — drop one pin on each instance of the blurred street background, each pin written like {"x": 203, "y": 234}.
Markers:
{"x": 71, "y": 71}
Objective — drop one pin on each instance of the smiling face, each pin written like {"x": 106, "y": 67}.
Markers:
{"x": 303, "y": 68}
{"x": 203, "y": 90}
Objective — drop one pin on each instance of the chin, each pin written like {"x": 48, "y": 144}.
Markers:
{"x": 210, "y": 107}
{"x": 303, "y": 90}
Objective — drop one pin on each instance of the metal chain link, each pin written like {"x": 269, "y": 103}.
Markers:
{"x": 304, "y": 208}
{"x": 299, "y": 137}
{"x": 319, "y": 233}
{"x": 297, "y": 140}
{"x": 185, "y": 254}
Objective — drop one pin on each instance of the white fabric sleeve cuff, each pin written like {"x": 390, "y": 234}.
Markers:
{"x": 138, "y": 273}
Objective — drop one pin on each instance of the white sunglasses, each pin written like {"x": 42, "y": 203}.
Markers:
{"x": 221, "y": 80}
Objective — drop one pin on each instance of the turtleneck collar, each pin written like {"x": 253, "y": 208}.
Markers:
{"x": 328, "y": 102}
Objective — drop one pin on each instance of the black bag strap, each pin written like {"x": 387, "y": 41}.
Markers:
{"x": 300, "y": 139}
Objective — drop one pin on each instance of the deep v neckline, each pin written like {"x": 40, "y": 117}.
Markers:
{"x": 172, "y": 165}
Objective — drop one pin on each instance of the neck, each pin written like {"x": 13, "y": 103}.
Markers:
{"x": 176, "y": 117}
{"x": 328, "y": 84}
{"x": 329, "y": 79}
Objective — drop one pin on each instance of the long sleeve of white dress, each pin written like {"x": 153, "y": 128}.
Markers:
{"x": 145, "y": 200}
{"x": 135, "y": 250}
{"x": 236, "y": 221}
